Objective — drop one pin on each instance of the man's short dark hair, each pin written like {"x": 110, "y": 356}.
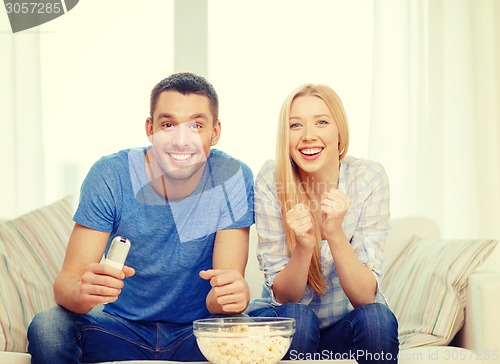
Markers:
{"x": 186, "y": 83}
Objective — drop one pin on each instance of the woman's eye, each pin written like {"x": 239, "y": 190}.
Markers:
{"x": 294, "y": 125}
{"x": 322, "y": 122}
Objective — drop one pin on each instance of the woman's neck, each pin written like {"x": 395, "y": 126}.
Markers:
{"x": 316, "y": 185}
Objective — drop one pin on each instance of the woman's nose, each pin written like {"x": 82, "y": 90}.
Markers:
{"x": 309, "y": 133}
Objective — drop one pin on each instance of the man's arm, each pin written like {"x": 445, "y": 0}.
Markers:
{"x": 83, "y": 282}
{"x": 230, "y": 292}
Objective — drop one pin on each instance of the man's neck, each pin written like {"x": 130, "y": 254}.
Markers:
{"x": 169, "y": 188}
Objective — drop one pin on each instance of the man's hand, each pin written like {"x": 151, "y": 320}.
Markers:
{"x": 101, "y": 283}
{"x": 229, "y": 290}
{"x": 300, "y": 221}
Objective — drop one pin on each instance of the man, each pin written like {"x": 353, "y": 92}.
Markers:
{"x": 186, "y": 208}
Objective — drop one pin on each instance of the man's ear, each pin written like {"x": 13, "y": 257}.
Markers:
{"x": 215, "y": 133}
{"x": 149, "y": 129}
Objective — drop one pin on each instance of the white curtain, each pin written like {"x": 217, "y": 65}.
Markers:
{"x": 436, "y": 111}
{"x": 21, "y": 150}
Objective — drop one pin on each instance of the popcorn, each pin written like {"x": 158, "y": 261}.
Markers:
{"x": 243, "y": 344}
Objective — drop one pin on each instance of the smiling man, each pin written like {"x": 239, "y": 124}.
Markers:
{"x": 186, "y": 208}
{"x": 182, "y": 131}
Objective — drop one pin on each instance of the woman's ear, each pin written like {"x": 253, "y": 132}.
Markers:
{"x": 341, "y": 148}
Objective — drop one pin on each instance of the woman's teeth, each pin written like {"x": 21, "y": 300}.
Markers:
{"x": 311, "y": 151}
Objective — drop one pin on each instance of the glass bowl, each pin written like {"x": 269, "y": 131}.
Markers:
{"x": 244, "y": 340}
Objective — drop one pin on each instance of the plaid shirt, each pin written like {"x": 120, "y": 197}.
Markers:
{"x": 366, "y": 224}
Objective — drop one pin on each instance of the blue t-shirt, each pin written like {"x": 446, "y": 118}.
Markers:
{"x": 170, "y": 241}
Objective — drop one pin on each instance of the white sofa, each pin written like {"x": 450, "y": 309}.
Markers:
{"x": 476, "y": 307}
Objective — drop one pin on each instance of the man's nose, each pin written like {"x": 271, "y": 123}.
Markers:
{"x": 181, "y": 135}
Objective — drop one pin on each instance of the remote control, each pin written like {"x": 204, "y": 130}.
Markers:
{"x": 117, "y": 252}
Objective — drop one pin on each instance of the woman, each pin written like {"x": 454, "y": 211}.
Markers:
{"x": 322, "y": 218}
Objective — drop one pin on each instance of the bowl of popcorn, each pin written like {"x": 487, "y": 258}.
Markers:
{"x": 244, "y": 340}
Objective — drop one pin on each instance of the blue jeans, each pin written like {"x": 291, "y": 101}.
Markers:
{"x": 61, "y": 336}
{"x": 368, "y": 334}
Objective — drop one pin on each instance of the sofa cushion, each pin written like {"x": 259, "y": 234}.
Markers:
{"x": 426, "y": 287}
{"x": 403, "y": 230}
{"x": 32, "y": 250}
{"x": 11, "y": 314}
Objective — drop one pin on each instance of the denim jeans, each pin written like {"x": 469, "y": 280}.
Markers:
{"x": 61, "y": 336}
{"x": 368, "y": 334}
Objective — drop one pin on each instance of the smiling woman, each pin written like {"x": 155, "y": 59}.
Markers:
{"x": 313, "y": 132}
{"x": 322, "y": 218}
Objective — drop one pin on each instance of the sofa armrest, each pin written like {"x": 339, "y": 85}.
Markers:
{"x": 7, "y": 357}
{"x": 482, "y": 317}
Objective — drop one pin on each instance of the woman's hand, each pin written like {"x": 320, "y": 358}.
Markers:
{"x": 334, "y": 206}
{"x": 300, "y": 221}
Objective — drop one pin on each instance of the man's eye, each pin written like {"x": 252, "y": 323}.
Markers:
{"x": 167, "y": 125}
{"x": 196, "y": 126}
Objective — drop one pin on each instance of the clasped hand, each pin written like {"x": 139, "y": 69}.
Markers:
{"x": 333, "y": 207}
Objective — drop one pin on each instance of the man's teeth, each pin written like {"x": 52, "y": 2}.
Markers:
{"x": 180, "y": 157}
{"x": 311, "y": 151}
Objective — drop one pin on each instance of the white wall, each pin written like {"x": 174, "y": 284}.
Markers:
{"x": 261, "y": 50}
{"x": 100, "y": 60}
{"x": 99, "y": 64}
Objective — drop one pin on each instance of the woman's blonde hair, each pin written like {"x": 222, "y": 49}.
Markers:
{"x": 289, "y": 186}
